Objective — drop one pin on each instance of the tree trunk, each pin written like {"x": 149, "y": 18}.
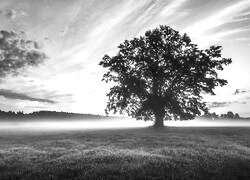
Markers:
{"x": 159, "y": 121}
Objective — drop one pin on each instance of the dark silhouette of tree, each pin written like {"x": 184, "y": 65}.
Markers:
{"x": 230, "y": 115}
{"x": 214, "y": 115}
{"x": 162, "y": 75}
{"x": 222, "y": 116}
{"x": 236, "y": 116}
{"x": 17, "y": 53}
{"x": 209, "y": 115}
{"x": 11, "y": 115}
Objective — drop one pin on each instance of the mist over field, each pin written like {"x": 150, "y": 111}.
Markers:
{"x": 72, "y": 124}
{"x": 112, "y": 123}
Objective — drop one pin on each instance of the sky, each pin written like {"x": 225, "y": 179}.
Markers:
{"x": 76, "y": 34}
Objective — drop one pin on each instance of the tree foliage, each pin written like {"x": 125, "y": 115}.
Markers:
{"x": 162, "y": 75}
{"x": 17, "y": 53}
{"x": 230, "y": 115}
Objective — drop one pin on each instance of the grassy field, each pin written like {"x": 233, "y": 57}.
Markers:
{"x": 142, "y": 153}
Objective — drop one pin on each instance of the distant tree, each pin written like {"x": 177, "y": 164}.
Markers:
{"x": 222, "y": 116}
{"x": 214, "y": 115}
{"x": 230, "y": 115}
{"x": 16, "y": 53}
{"x": 162, "y": 76}
{"x": 236, "y": 116}
{"x": 209, "y": 115}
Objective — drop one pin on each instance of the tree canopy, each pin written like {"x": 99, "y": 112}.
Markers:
{"x": 162, "y": 76}
{"x": 16, "y": 53}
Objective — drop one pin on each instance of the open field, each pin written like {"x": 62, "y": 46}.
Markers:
{"x": 135, "y": 153}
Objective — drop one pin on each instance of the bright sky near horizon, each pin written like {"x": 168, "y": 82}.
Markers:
{"x": 76, "y": 34}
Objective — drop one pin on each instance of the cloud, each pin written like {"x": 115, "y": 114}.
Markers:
{"x": 36, "y": 107}
{"x": 208, "y": 39}
{"x": 17, "y": 53}
{"x": 240, "y": 91}
{"x": 242, "y": 16}
{"x": 220, "y": 104}
{"x": 13, "y": 13}
{"x": 200, "y": 30}
{"x": 217, "y": 104}
{"x": 218, "y": 19}
{"x": 242, "y": 39}
{"x": 21, "y": 96}
{"x": 171, "y": 8}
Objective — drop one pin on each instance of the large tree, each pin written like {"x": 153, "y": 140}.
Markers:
{"x": 162, "y": 76}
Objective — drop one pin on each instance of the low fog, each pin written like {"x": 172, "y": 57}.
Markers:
{"x": 53, "y": 125}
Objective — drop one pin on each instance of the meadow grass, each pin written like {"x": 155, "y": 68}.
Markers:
{"x": 138, "y": 153}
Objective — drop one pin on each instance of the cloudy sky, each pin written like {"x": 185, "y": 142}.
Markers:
{"x": 75, "y": 34}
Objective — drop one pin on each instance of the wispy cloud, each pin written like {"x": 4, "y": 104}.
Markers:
{"x": 204, "y": 27}
{"x": 21, "y": 96}
{"x": 210, "y": 38}
{"x": 222, "y": 17}
{"x": 216, "y": 104}
{"x": 12, "y": 13}
{"x": 242, "y": 39}
{"x": 172, "y": 7}
{"x": 240, "y": 91}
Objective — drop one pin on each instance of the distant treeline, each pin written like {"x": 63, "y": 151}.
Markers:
{"x": 228, "y": 115}
{"x": 47, "y": 115}
{"x": 67, "y": 115}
